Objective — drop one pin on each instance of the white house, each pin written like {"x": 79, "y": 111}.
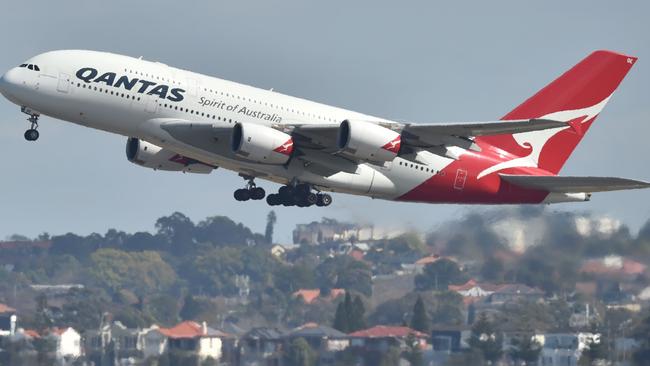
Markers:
{"x": 187, "y": 336}
{"x": 68, "y": 342}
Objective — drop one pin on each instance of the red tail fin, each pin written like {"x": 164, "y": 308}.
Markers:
{"x": 576, "y": 97}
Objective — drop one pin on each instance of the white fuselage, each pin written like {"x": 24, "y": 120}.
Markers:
{"x": 58, "y": 91}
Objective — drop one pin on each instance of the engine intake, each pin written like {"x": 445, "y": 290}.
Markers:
{"x": 368, "y": 141}
{"x": 261, "y": 144}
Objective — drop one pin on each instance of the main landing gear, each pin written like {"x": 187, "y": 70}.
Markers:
{"x": 300, "y": 195}
{"x": 251, "y": 192}
{"x": 31, "y": 134}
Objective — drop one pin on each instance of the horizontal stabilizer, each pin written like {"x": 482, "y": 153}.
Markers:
{"x": 553, "y": 183}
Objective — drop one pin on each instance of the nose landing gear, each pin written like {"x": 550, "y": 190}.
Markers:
{"x": 32, "y": 133}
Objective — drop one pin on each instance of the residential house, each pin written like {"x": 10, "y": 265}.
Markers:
{"x": 563, "y": 348}
{"x": 262, "y": 346}
{"x": 515, "y": 292}
{"x": 188, "y": 336}
{"x": 309, "y": 296}
{"x": 448, "y": 339}
{"x": 124, "y": 342}
{"x": 323, "y": 339}
{"x": 381, "y": 337}
{"x": 7, "y": 320}
{"x": 68, "y": 342}
{"x": 278, "y": 251}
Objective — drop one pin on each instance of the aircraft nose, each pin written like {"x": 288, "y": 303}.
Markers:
{"x": 8, "y": 81}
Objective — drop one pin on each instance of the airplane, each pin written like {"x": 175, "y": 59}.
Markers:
{"x": 177, "y": 120}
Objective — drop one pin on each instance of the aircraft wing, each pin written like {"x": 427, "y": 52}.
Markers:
{"x": 425, "y": 135}
{"x": 553, "y": 183}
{"x": 323, "y": 137}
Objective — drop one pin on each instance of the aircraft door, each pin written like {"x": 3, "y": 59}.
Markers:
{"x": 63, "y": 85}
{"x": 151, "y": 103}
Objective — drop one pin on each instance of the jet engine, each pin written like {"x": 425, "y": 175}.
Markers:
{"x": 155, "y": 157}
{"x": 368, "y": 141}
{"x": 261, "y": 144}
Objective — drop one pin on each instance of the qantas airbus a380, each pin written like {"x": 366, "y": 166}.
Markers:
{"x": 183, "y": 121}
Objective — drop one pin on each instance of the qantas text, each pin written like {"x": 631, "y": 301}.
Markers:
{"x": 163, "y": 91}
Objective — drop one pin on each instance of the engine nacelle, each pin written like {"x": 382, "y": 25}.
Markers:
{"x": 155, "y": 157}
{"x": 261, "y": 144}
{"x": 368, "y": 141}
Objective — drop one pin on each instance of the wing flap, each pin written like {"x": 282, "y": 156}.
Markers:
{"x": 553, "y": 183}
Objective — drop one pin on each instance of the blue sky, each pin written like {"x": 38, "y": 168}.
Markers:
{"x": 425, "y": 62}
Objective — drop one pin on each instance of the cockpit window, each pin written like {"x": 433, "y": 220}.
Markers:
{"x": 31, "y": 67}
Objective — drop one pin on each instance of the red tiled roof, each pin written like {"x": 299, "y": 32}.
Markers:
{"x": 428, "y": 259}
{"x": 307, "y": 295}
{"x": 187, "y": 329}
{"x": 384, "y": 331}
{"x": 624, "y": 267}
{"x": 32, "y": 333}
{"x": 6, "y": 309}
{"x": 472, "y": 283}
{"x": 57, "y": 331}
{"x": 356, "y": 254}
{"x": 311, "y": 295}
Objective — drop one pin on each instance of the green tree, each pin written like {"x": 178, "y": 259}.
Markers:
{"x": 438, "y": 275}
{"x": 595, "y": 352}
{"x": 357, "y": 314}
{"x": 341, "y": 319}
{"x": 270, "y": 224}
{"x": 641, "y": 333}
{"x": 414, "y": 351}
{"x": 178, "y": 229}
{"x": 43, "y": 319}
{"x": 344, "y": 272}
{"x": 525, "y": 349}
{"x": 420, "y": 320}
{"x": 140, "y": 272}
{"x": 299, "y": 353}
{"x": 486, "y": 339}
{"x": 196, "y": 308}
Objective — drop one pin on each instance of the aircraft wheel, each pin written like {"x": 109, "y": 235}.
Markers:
{"x": 324, "y": 200}
{"x": 242, "y": 195}
{"x": 31, "y": 135}
{"x": 257, "y": 193}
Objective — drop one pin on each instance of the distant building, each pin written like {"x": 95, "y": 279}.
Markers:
{"x": 187, "y": 336}
{"x": 124, "y": 342}
{"x": 323, "y": 339}
{"x": 329, "y": 230}
{"x": 382, "y": 337}
{"x": 261, "y": 346}
{"x": 7, "y": 320}
{"x": 613, "y": 266}
{"x": 68, "y": 343}
{"x": 309, "y": 296}
{"x": 563, "y": 349}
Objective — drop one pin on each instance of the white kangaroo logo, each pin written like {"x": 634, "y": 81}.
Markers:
{"x": 536, "y": 140}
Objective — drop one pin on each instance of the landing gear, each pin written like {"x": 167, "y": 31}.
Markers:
{"x": 300, "y": 195}
{"x": 31, "y": 134}
{"x": 251, "y": 192}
